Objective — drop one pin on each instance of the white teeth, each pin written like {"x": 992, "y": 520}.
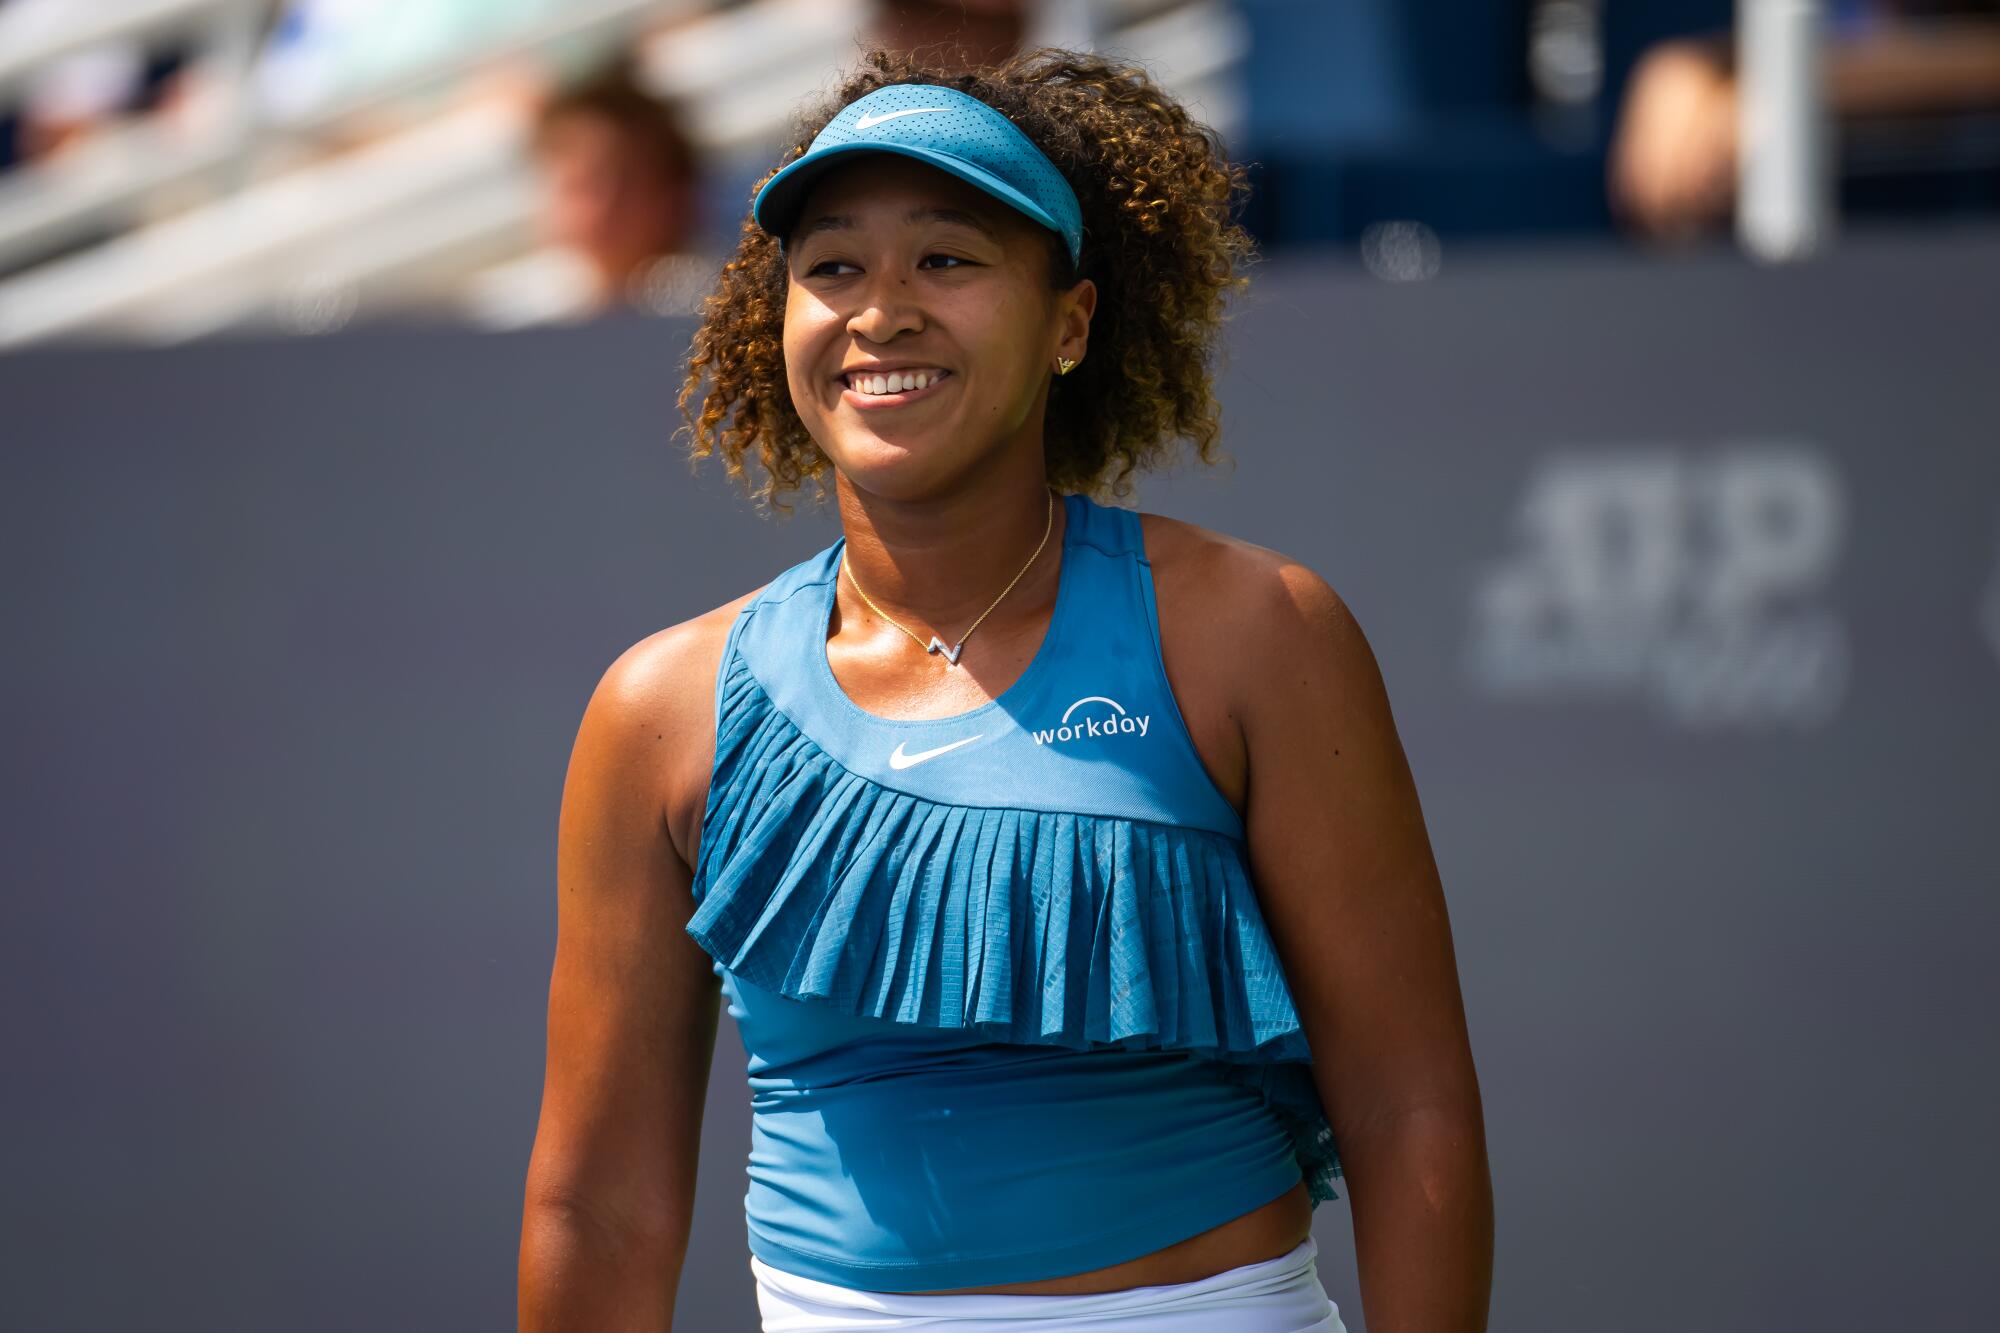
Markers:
{"x": 902, "y": 381}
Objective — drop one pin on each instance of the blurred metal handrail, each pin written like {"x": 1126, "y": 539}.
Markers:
{"x": 178, "y": 261}
{"x": 257, "y": 251}
{"x": 25, "y": 53}
{"x": 189, "y": 263}
{"x": 40, "y": 204}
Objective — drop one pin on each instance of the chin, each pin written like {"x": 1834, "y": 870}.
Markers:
{"x": 906, "y": 469}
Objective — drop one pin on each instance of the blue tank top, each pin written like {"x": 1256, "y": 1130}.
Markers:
{"x": 1010, "y": 1007}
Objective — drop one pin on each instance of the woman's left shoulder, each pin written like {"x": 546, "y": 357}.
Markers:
{"x": 1265, "y": 641}
{"x": 1249, "y": 595}
{"x": 1260, "y": 651}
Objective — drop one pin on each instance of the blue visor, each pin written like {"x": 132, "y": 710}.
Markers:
{"x": 950, "y": 130}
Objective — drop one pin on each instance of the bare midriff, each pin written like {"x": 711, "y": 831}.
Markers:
{"x": 1264, "y": 1233}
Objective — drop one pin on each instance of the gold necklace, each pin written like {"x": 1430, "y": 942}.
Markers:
{"x": 935, "y": 645}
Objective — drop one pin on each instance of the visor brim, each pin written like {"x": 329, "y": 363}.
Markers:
{"x": 777, "y": 205}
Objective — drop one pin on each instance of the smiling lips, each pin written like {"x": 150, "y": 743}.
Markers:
{"x": 887, "y": 388}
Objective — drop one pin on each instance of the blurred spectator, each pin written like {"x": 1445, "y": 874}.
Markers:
{"x": 619, "y": 184}
{"x": 978, "y": 32}
{"x": 1672, "y": 166}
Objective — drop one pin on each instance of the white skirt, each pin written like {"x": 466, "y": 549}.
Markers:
{"x": 1281, "y": 1295}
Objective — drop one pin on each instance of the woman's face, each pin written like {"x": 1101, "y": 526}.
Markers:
{"x": 921, "y": 324}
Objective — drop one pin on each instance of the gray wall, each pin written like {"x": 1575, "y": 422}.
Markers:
{"x": 1685, "y": 579}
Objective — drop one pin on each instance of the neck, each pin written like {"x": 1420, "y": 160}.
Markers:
{"x": 939, "y": 563}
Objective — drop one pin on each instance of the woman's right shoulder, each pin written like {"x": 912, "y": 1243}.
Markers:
{"x": 660, "y": 692}
{"x": 668, "y": 662}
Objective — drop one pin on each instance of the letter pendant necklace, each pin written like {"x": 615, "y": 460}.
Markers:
{"x": 936, "y": 645}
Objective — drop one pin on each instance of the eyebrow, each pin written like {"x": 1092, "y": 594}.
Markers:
{"x": 923, "y": 213}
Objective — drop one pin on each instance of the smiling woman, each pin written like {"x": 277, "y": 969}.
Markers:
{"x": 1065, "y": 946}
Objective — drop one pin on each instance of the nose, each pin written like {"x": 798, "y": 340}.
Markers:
{"x": 886, "y": 307}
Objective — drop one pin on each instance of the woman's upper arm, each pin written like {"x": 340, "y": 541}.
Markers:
{"x": 1341, "y": 859}
{"x": 633, "y": 1002}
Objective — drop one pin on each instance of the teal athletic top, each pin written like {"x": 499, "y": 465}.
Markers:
{"x": 1010, "y": 1007}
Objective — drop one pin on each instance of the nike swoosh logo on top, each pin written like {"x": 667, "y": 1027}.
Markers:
{"x": 867, "y": 121}
{"x": 897, "y": 759}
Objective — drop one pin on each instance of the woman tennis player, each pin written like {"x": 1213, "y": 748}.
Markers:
{"x": 1059, "y": 863}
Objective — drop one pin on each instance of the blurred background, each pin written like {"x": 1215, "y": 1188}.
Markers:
{"x": 176, "y": 168}
{"x": 1628, "y": 365}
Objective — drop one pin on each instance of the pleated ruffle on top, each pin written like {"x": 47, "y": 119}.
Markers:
{"x": 1029, "y": 926}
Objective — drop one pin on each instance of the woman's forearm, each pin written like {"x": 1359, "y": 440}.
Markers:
{"x": 1421, "y": 1195}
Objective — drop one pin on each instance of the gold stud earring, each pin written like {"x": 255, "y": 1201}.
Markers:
{"x": 1064, "y": 365}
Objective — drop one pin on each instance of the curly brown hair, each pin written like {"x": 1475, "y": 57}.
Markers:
{"x": 1161, "y": 240}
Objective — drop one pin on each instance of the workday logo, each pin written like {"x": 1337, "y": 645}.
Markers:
{"x": 1094, "y": 724}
